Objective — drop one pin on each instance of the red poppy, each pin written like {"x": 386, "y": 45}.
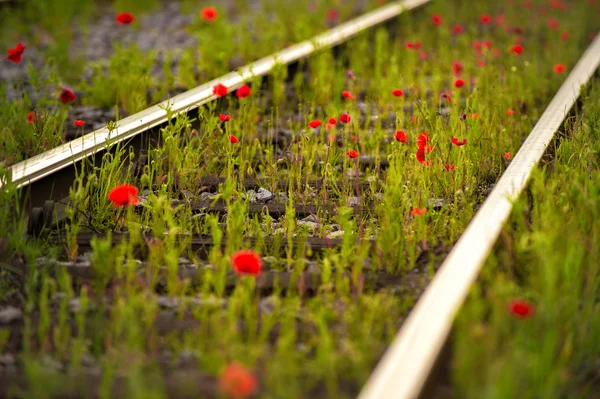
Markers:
{"x": 397, "y": 93}
{"x": 314, "y": 124}
{"x": 347, "y": 95}
{"x": 481, "y": 63}
{"x": 457, "y": 29}
{"x": 209, "y": 14}
{"x": 458, "y": 143}
{"x": 352, "y": 154}
{"x": 331, "y": 137}
{"x": 446, "y": 95}
{"x": 400, "y": 136}
{"x": 457, "y": 67}
{"x": 345, "y": 118}
{"x": 124, "y": 18}
{"x": 564, "y": 36}
{"x": 123, "y": 195}
{"x": 553, "y": 23}
{"x": 422, "y": 55}
{"x": 16, "y": 54}
{"x": 31, "y": 117}
{"x": 246, "y": 263}
{"x": 412, "y": 45}
{"x": 224, "y": 118}
{"x": 332, "y": 121}
{"x": 485, "y": 19}
{"x": 232, "y": 139}
{"x": 243, "y": 91}
{"x": 237, "y": 382}
{"x": 414, "y": 118}
{"x": 520, "y": 308}
{"x": 79, "y": 122}
{"x": 416, "y": 211}
{"x": 422, "y": 140}
{"x": 436, "y": 19}
{"x": 332, "y": 15}
{"x": 559, "y": 68}
{"x": 510, "y": 112}
{"x": 329, "y": 126}
{"x": 488, "y": 44}
{"x": 449, "y": 167}
{"x": 66, "y": 95}
{"x": 507, "y": 155}
{"x": 516, "y": 49}
{"x": 463, "y": 116}
{"x": 459, "y": 83}
{"x": 220, "y": 90}
{"x": 473, "y": 116}
{"x": 500, "y": 19}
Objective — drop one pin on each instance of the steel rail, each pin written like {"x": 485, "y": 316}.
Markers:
{"x": 42, "y": 165}
{"x": 405, "y": 367}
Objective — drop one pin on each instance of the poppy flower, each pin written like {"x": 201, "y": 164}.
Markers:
{"x": 209, "y": 14}
{"x": 31, "y": 117}
{"x": 481, "y": 63}
{"x": 446, "y": 95}
{"x": 414, "y": 118}
{"x": 564, "y": 36}
{"x": 559, "y": 68}
{"x": 420, "y": 155}
{"x": 510, "y": 112}
{"x": 459, "y": 83}
{"x": 516, "y": 49}
{"x": 416, "y": 211}
{"x": 436, "y": 19}
{"x": 458, "y": 143}
{"x": 485, "y": 19}
{"x": 123, "y": 195}
{"x": 66, "y": 95}
{"x": 422, "y": 140}
{"x": 347, "y": 95}
{"x": 237, "y": 382}
{"x": 457, "y": 29}
{"x": 457, "y": 67}
{"x": 332, "y": 15}
{"x": 224, "y": 118}
{"x": 397, "y": 93}
{"x": 473, "y": 116}
{"x": 488, "y": 44}
{"x": 463, "y": 116}
{"x": 79, "y": 122}
{"x": 124, "y": 18}
{"x": 412, "y": 45}
{"x": 553, "y": 23}
{"x": 422, "y": 55}
{"x": 220, "y": 90}
{"x": 232, "y": 139}
{"x": 243, "y": 91}
{"x": 345, "y": 118}
{"x": 520, "y": 308}
{"x": 449, "y": 167}
{"x": 314, "y": 124}
{"x": 332, "y": 121}
{"x": 329, "y": 126}
{"x": 507, "y": 155}
{"x": 331, "y": 137}
{"x": 246, "y": 263}
{"x": 16, "y": 54}
{"x": 352, "y": 154}
{"x": 400, "y": 136}
{"x": 500, "y": 19}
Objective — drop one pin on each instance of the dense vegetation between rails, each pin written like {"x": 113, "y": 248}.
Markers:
{"x": 537, "y": 302}
{"x": 381, "y": 154}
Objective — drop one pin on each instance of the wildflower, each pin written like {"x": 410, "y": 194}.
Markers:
{"x": 416, "y": 211}
{"x": 246, "y": 263}
{"x": 16, "y": 54}
{"x": 332, "y": 121}
{"x": 314, "y": 124}
{"x": 350, "y": 74}
{"x": 420, "y": 155}
{"x": 446, "y": 95}
{"x": 422, "y": 55}
{"x": 436, "y": 19}
{"x": 66, "y": 95}
{"x": 564, "y": 35}
{"x": 474, "y": 116}
{"x": 481, "y": 63}
{"x": 485, "y": 19}
{"x": 458, "y": 143}
{"x": 79, "y": 122}
{"x": 463, "y": 116}
{"x": 422, "y": 140}
{"x": 414, "y": 118}
{"x": 516, "y": 49}
{"x": 457, "y": 67}
{"x": 488, "y": 44}
{"x": 412, "y": 45}
{"x": 457, "y": 29}
{"x": 237, "y": 382}
{"x": 507, "y": 155}
{"x": 123, "y": 195}
{"x": 31, "y": 117}
{"x": 224, "y": 118}
{"x": 559, "y": 68}
{"x": 510, "y": 112}
{"x": 332, "y": 15}
{"x": 553, "y": 23}
{"x": 124, "y": 18}
{"x": 449, "y": 167}
{"x": 397, "y": 93}
{"x": 400, "y": 136}
{"x": 243, "y": 91}
{"x": 209, "y": 14}
{"x": 232, "y": 139}
{"x": 347, "y": 95}
{"x": 459, "y": 83}
{"x": 345, "y": 118}
{"x": 220, "y": 90}
{"x": 500, "y": 19}
{"x": 520, "y": 308}
{"x": 331, "y": 137}
{"x": 352, "y": 154}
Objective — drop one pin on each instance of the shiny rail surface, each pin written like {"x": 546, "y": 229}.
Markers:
{"x": 405, "y": 367}
{"x": 42, "y": 165}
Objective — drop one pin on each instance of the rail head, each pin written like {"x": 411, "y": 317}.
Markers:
{"x": 405, "y": 367}
{"x": 42, "y": 165}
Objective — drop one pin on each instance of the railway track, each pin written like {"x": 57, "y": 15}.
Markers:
{"x": 322, "y": 232}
